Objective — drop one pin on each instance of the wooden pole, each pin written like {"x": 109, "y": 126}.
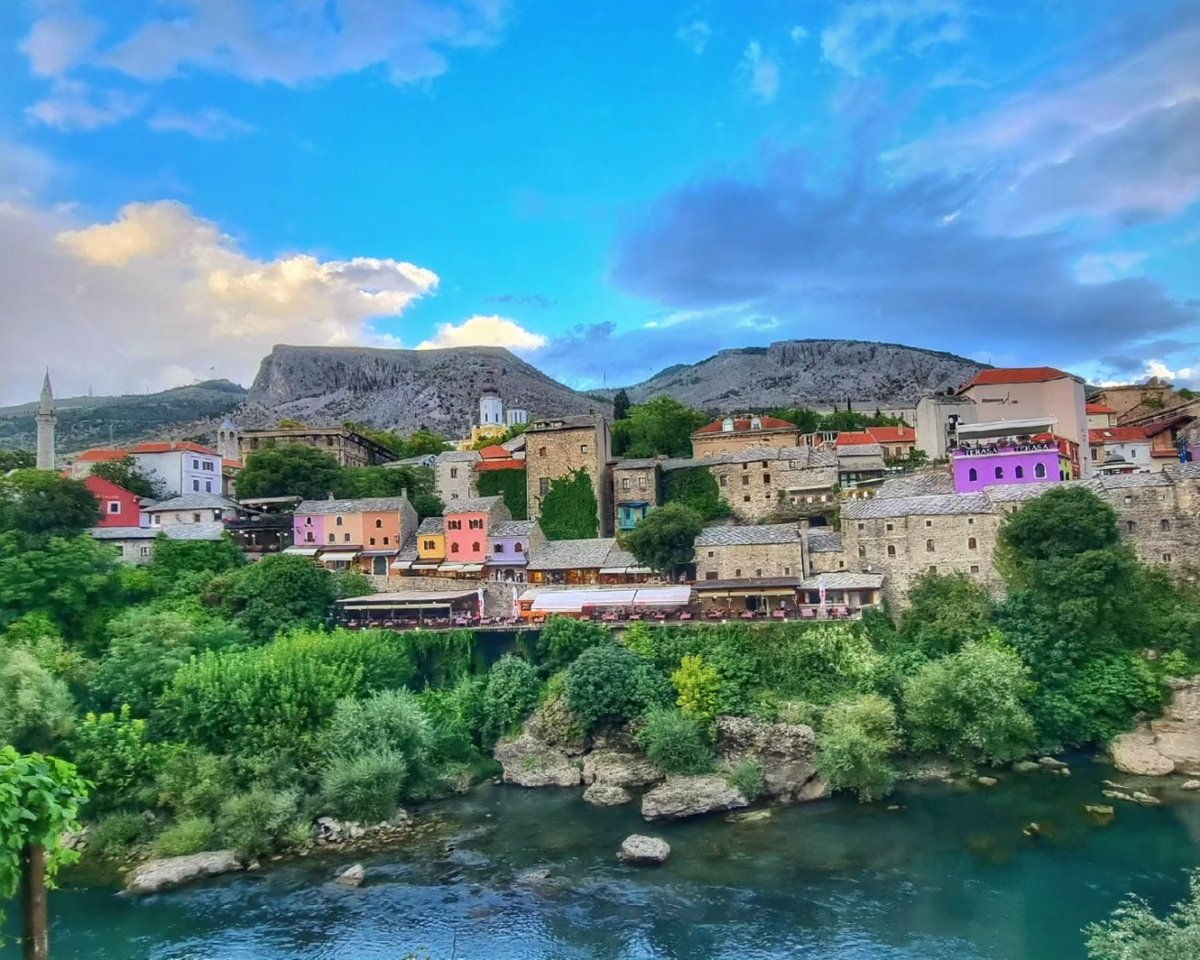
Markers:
{"x": 37, "y": 933}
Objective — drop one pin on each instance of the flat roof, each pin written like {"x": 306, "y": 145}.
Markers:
{"x": 1006, "y": 428}
{"x": 408, "y": 598}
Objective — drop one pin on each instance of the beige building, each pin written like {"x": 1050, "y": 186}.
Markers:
{"x": 191, "y": 508}
{"x": 348, "y": 448}
{"x": 1030, "y": 393}
{"x": 933, "y": 416}
{"x": 755, "y": 552}
{"x": 734, "y": 434}
{"x": 559, "y": 446}
{"x": 454, "y": 475}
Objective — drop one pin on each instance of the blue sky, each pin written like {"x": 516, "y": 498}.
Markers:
{"x": 606, "y": 188}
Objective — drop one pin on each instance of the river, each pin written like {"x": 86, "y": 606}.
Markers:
{"x": 949, "y": 875}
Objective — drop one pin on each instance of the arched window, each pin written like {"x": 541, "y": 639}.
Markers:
{"x": 891, "y": 549}
{"x": 378, "y": 524}
{"x": 972, "y": 543}
{"x": 1020, "y": 473}
{"x": 518, "y": 548}
{"x": 332, "y": 538}
{"x": 1039, "y": 471}
{"x": 475, "y": 547}
{"x": 339, "y": 521}
{"x": 454, "y": 548}
{"x": 862, "y": 551}
{"x": 999, "y": 473}
{"x": 972, "y": 474}
{"x": 929, "y": 546}
{"x": 346, "y": 538}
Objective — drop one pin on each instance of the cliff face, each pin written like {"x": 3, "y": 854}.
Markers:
{"x": 401, "y": 389}
{"x": 817, "y": 373}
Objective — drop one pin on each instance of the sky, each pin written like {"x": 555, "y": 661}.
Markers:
{"x": 605, "y": 188}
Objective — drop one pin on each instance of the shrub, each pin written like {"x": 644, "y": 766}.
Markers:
{"x": 390, "y": 720}
{"x": 115, "y": 834}
{"x": 112, "y": 751}
{"x": 607, "y": 684}
{"x": 367, "y": 787}
{"x": 184, "y": 837}
{"x": 253, "y": 823}
{"x": 746, "y": 776}
{"x": 675, "y": 742}
{"x": 1098, "y": 700}
{"x": 278, "y": 593}
{"x": 564, "y": 638}
{"x": 971, "y": 705}
{"x": 699, "y": 687}
{"x": 36, "y": 710}
{"x": 192, "y": 783}
{"x": 510, "y": 695}
{"x": 855, "y": 746}
{"x": 1134, "y": 932}
{"x": 455, "y": 719}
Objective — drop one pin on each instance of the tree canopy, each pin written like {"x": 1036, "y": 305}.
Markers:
{"x": 280, "y": 592}
{"x": 126, "y": 473}
{"x": 662, "y": 425}
{"x": 38, "y": 504}
{"x": 288, "y": 470}
{"x": 665, "y": 538}
{"x": 569, "y": 510}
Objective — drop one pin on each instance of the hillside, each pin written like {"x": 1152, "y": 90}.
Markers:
{"x": 816, "y": 373}
{"x": 400, "y": 389}
{"x": 91, "y": 421}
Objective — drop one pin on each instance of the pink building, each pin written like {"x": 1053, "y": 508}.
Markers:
{"x": 468, "y": 527}
{"x": 987, "y": 464}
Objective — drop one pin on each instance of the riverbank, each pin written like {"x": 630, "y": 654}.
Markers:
{"x": 937, "y": 871}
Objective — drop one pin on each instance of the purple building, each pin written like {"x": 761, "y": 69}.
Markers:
{"x": 986, "y": 464}
{"x": 510, "y": 544}
{"x": 308, "y": 529}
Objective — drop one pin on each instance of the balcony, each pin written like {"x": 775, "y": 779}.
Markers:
{"x": 1013, "y": 446}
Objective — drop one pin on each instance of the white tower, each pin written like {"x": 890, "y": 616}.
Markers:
{"x": 491, "y": 408}
{"x": 227, "y": 441}
{"x": 45, "y": 426}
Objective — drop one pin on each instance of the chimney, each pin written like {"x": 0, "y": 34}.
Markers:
{"x": 404, "y": 494}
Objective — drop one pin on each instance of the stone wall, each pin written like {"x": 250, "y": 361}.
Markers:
{"x": 775, "y": 490}
{"x": 554, "y": 453}
{"x": 714, "y": 444}
{"x": 743, "y": 561}
{"x": 454, "y": 476}
{"x": 498, "y": 598}
{"x": 634, "y": 484}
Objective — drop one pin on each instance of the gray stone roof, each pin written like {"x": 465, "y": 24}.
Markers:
{"x": 576, "y": 422}
{"x": 573, "y": 554}
{"x": 459, "y": 456}
{"x": 513, "y": 528}
{"x": 842, "y": 580}
{"x": 856, "y": 451}
{"x": 1183, "y": 471}
{"x": 916, "y": 485}
{"x": 371, "y": 504}
{"x": 408, "y": 552}
{"x": 642, "y": 464}
{"x": 124, "y": 533}
{"x": 749, "y": 536}
{"x": 194, "y": 531}
{"x": 1117, "y": 481}
{"x": 193, "y": 501}
{"x": 432, "y": 525}
{"x": 799, "y": 456}
{"x": 824, "y": 540}
{"x": 473, "y": 505}
{"x": 1017, "y": 492}
{"x": 425, "y": 460}
{"x": 941, "y": 505}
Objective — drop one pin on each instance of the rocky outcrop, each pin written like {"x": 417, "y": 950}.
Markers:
{"x": 352, "y": 876}
{"x": 786, "y": 751}
{"x": 631, "y": 771}
{"x": 679, "y": 797}
{"x": 1167, "y": 745}
{"x": 529, "y": 762}
{"x": 607, "y": 795}
{"x": 638, "y": 849}
{"x": 155, "y": 875}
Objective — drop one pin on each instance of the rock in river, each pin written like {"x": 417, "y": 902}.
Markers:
{"x": 528, "y": 762}
{"x": 786, "y": 751}
{"x": 618, "y": 768}
{"x": 352, "y": 876}
{"x": 679, "y": 797}
{"x": 607, "y": 795}
{"x": 155, "y": 875}
{"x": 1135, "y": 753}
{"x": 643, "y": 850}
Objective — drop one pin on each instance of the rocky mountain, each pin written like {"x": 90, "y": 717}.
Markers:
{"x": 815, "y": 373}
{"x": 92, "y": 421}
{"x": 400, "y": 389}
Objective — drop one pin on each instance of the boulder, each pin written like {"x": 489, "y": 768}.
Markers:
{"x": 528, "y": 762}
{"x": 1190, "y": 785}
{"x": 1178, "y": 742}
{"x": 1026, "y": 766}
{"x": 786, "y": 751}
{"x": 679, "y": 797}
{"x": 553, "y": 724}
{"x": 1145, "y": 799}
{"x": 631, "y": 771}
{"x": 986, "y": 781}
{"x": 1051, "y": 764}
{"x": 155, "y": 875}
{"x": 642, "y": 850}
{"x": 352, "y": 876}
{"x": 749, "y": 816}
{"x": 607, "y": 795}
{"x": 1100, "y": 813}
{"x": 1136, "y": 753}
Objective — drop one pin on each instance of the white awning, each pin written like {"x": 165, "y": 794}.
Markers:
{"x": 1005, "y": 428}
{"x": 663, "y": 596}
{"x": 576, "y": 601}
{"x": 625, "y": 570}
{"x": 302, "y": 551}
{"x": 339, "y": 554}
{"x": 401, "y": 564}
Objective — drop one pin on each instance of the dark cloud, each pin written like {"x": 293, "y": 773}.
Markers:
{"x": 903, "y": 261}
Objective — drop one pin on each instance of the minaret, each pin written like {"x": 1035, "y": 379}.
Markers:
{"x": 227, "y": 441}
{"x": 45, "y": 426}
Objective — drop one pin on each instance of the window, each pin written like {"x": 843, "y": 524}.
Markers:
{"x": 543, "y": 484}
{"x": 723, "y": 479}
{"x": 710, "y": 575}
{"x": 1019, "y": 473}
{"x": 346, "y": 538}
{"x": 929, "y": 523}
{"x": 372, "y": 541}
{"x": 841, "y": 564}
{"x": 195, "y": 518}
{"x": 329, "y": 441}
{"x": 972, "y": 475}
{"x": 207, "y": 466}
{"x": 745, "y": 480}
{"x": 891, "y": 527}
{"x": 766, "y": 478}
{"x": 1131, "y": 526}
{"x": 970, "y": 521}
{"x": 476, "y": 524}
{"x": 332, "y": 538}
{"x": 932, "y": 568}
{"x": 195, "y": 464}
{"x": 453, "y": 524}
{"x": 427, "y": 544}
{"x": 386, "y": 540}
{"x": 454, "y": 473}
{"x": 454, "y": 548}
{"x": 378, "y": 524}
{"x": 974, "y": 568}
{"x": 641, "y": 483}
{"x": 1166, "y": 558}
{"x": 999, "y": 473}
{"x": 308, "y": 537}
{"x": 583, "y": 448}
{"x": 497, "y": 548}
{"x": 746, "y": 498}
{"x": 541, "y": 451}
{"x": 338, "y": 521}
{"x": 929, "y": 546}
{"x": 758, "y": 572}
{"x": 737, "y": 572}
{"x": 891, "y": 549}
{"x": 308, "y": 521}
{"x": 195, "y": 486}
{"x": 475, "y": 547}
{"x": 1039, "y": 471}
{"x": 972, "y": 543}
{"x": 1164, "y": 525}
{"x": 862, "y": 551}
{"x": 144, "y": 552}
{"x": 1128, "y": 499}
{"x": 862, "y": 526}
{"x": 114, "y": 506}
{"x": 518, "y": 548}
{"x": 624, "y": 483}
{"x": 208, "y": 486}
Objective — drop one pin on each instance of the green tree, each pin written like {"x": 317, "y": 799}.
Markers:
{"x": 428, "y": 505}
{"x": 695, "y": 488}
{"x": 569, "y": 510}
{"x": 661, "y": 425}
{"x": 675, "y": 742}
{"x": 40, "y": 798}
{"x": 972, "y": 705}
{"x": 363, "y": 482}
{"x": 945, "y": 611}
{"x": 563, "y": 639}
{"x": 175, "y": 559}
{"x": 510, "y": 696}
{"x": 620, "y": 405}
{"x": 127, "y": 475}
{"x": 113, "y": 751}
{"x": 699, "y": 687}
{"x": 609, "y": 684}
{"x": 16, "y": 460}
{"x": 509, "y": 484}
{"x": 423, "y": 441}
{"x": 278, "y": 593}
{"x": 665, "y": 539}
{"x": 36, "y": 709}
{"x": 1063, "y": 523}
{"x": 1134, "y": 932}
{"x": 147, "y": 647}
{"x": 288, "y": 470}
{"x": 807, "y": 420}
{"x": 39, "y": 504}
{"x": 857, "y": 741}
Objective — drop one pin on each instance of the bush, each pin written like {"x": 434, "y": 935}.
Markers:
{"x": 746, "y": 776}
{"x": 253, "y": 823}
{"x": 146, "y": 649}
{"x": 510, "y": 695}
{"x": 36, "y": 710}
{"x": 390, "y": 720}
{"x": 279, "y": 593}
{"x": 855, "y": 746}
{"x": 699, "y": 687}
{"x": 114, "y": 835}
{"x": 112, "y": 751}
{"x": 456, "y": 721}
{"x": 971, "y": 705}
{"x": 1135, "y": 933}
{"x": 1098, "y": 700}
{"x": 185, "y": 837}
{"x": 608, "y": 684}
{"x": 192, "y": 783}
{"x": 675, "y": 742}
{"x": 564, "y": 638}
{"x": 367, "y": 787}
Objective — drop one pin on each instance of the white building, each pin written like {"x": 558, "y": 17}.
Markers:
{"x": 190, "y": 508}
{"x": 180, "y": 466}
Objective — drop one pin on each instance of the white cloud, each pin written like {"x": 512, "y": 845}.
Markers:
{"x": 59, "y": 40}
{"x": 798, "y": 34}
{"x": 72, "y": 106}
{"x": 23, "y": 171}
{"x": 126, "y": 305}
{"x": 868, "y": 29}
{"x": 694, "y": 35}
{"x": 208, "y": 124}
{"x": 485, "y": 331}
{"x": 1106, "y": 267}
{"x": 761, "y": 72}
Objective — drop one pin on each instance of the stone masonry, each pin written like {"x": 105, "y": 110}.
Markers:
{"x": 556, "y": 447}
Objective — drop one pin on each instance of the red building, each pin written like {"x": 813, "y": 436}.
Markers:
{"x": 118, "y": 507}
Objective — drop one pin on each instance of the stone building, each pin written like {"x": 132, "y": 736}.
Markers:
{"x": 636, "y": 490}
{"x": 733, "y": 434}
{"x": 1136, "y": 401}
{"x": 559, "y": 446}
{"x": 348, "y": 448}
{"x": 753, "y": 552}
{"x": 774, "y": 483}
{"x": 454, "y": 474}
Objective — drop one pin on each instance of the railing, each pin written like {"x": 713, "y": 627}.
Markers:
{"x": 991, "y": 449}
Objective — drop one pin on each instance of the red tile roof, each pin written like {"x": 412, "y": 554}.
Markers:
{"x": 1003, "y": 375}
{"x": 98, "y": 456}
{"x": 495, "y": 452}
{"x": 899, "y": 434}
{"x": 232, "y": 464}
{"x": 1102, "y": 435}
{"x": 850, "y": 439}
{"x": 169, "y": 446}
{"x": 511, "y": 463}
{"x": 106, "y": 488}
{"x": 1099, "y": 408}
{"x": 742, "y": 425}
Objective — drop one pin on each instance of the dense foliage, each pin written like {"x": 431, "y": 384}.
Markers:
{"x": 126, "y": 473}
{"x": 509, "y": 484}
{"x": 1135, "y": 933}
{"x": 661, "y": 426}
{"x": 609, "y": 684}
{"x": 857, "y": 741}
{"x": 676, "y": 743}
{"x": 695, "y": 488}
{"x": 569, "y": 509}
{"x": 665, "y": 539}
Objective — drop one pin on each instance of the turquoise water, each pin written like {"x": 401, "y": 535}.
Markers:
{"x": 950, "y": 875}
